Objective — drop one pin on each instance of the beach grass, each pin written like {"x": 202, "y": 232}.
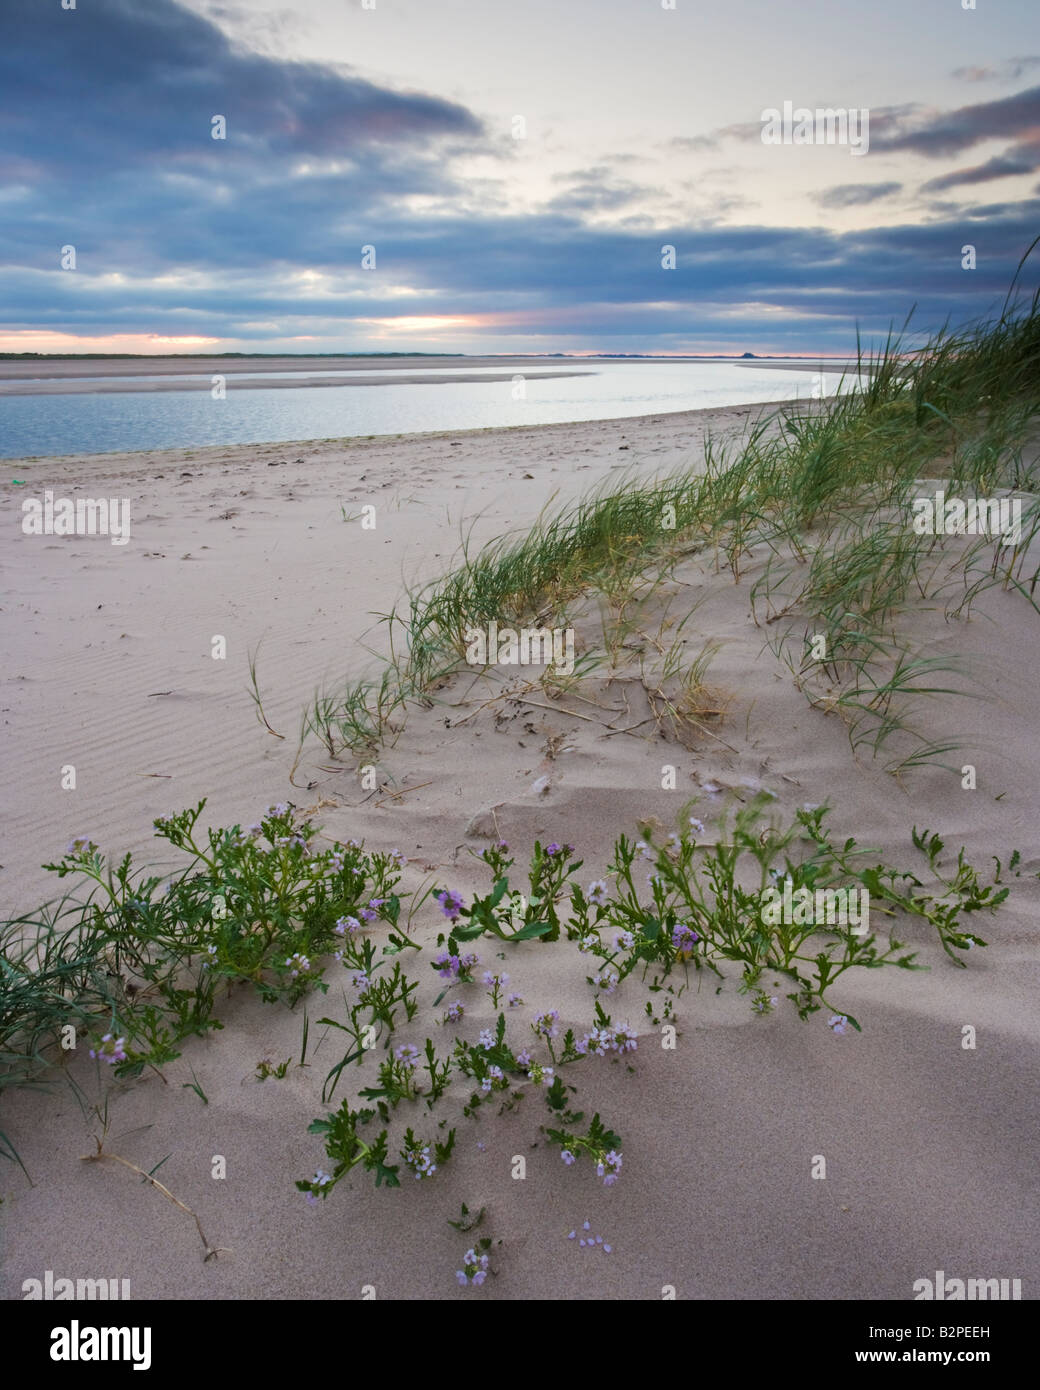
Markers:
{"x": 814, "y": 500}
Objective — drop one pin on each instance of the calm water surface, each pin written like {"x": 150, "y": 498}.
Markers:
{"x": 88, "y": 424}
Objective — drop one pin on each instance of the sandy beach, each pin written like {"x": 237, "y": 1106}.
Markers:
{"x": 929, "y": 1146}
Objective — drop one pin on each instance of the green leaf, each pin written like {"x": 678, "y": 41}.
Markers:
{"x": 532, "y": 930}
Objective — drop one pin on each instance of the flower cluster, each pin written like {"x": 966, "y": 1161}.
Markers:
{"x": 418, "y": 1158}
{"x": 684, "y": 938}
{"x": 110, "y": 1050}
{"x": 298, "y": 964}
{"x": 474, "y": 1270}
{"x": 451, "y": 904}
{"x": 609, "y": 1169}
{"x": 294, "y": 841}
{"x": 603, "y": 1040}
{"x": 597, "y": 893}
{"x": 495, "y": 982}
{"x": 82, "y": 845}
{"x": 838, "y": 1023}
{"x": 493, "y": 1078}
{"x": 453, "y": 967}
{"x": 545, "y": 1024}
{"x": 320, "y": 1179}
{"x": 407, "y": 1055}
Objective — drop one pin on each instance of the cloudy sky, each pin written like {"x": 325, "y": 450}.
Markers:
{"x": 518, "y": 166}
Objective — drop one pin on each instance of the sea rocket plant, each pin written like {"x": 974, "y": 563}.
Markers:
{"x": 267, "y": 905}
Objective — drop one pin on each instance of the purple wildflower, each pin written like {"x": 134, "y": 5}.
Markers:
{"x": 597, "y": 893}
{"x": 449, "y": 965}
{"x": 110, "y": 1050}
{"x": 684, "y": 938}
{"x": 451, "y": 904}
{"x": 611, "y": 1161}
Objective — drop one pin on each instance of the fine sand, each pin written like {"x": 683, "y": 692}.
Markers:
{"x": 929, "y": 1146}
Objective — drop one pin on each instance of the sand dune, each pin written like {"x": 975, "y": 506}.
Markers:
{"x": 929, "y": 1147}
